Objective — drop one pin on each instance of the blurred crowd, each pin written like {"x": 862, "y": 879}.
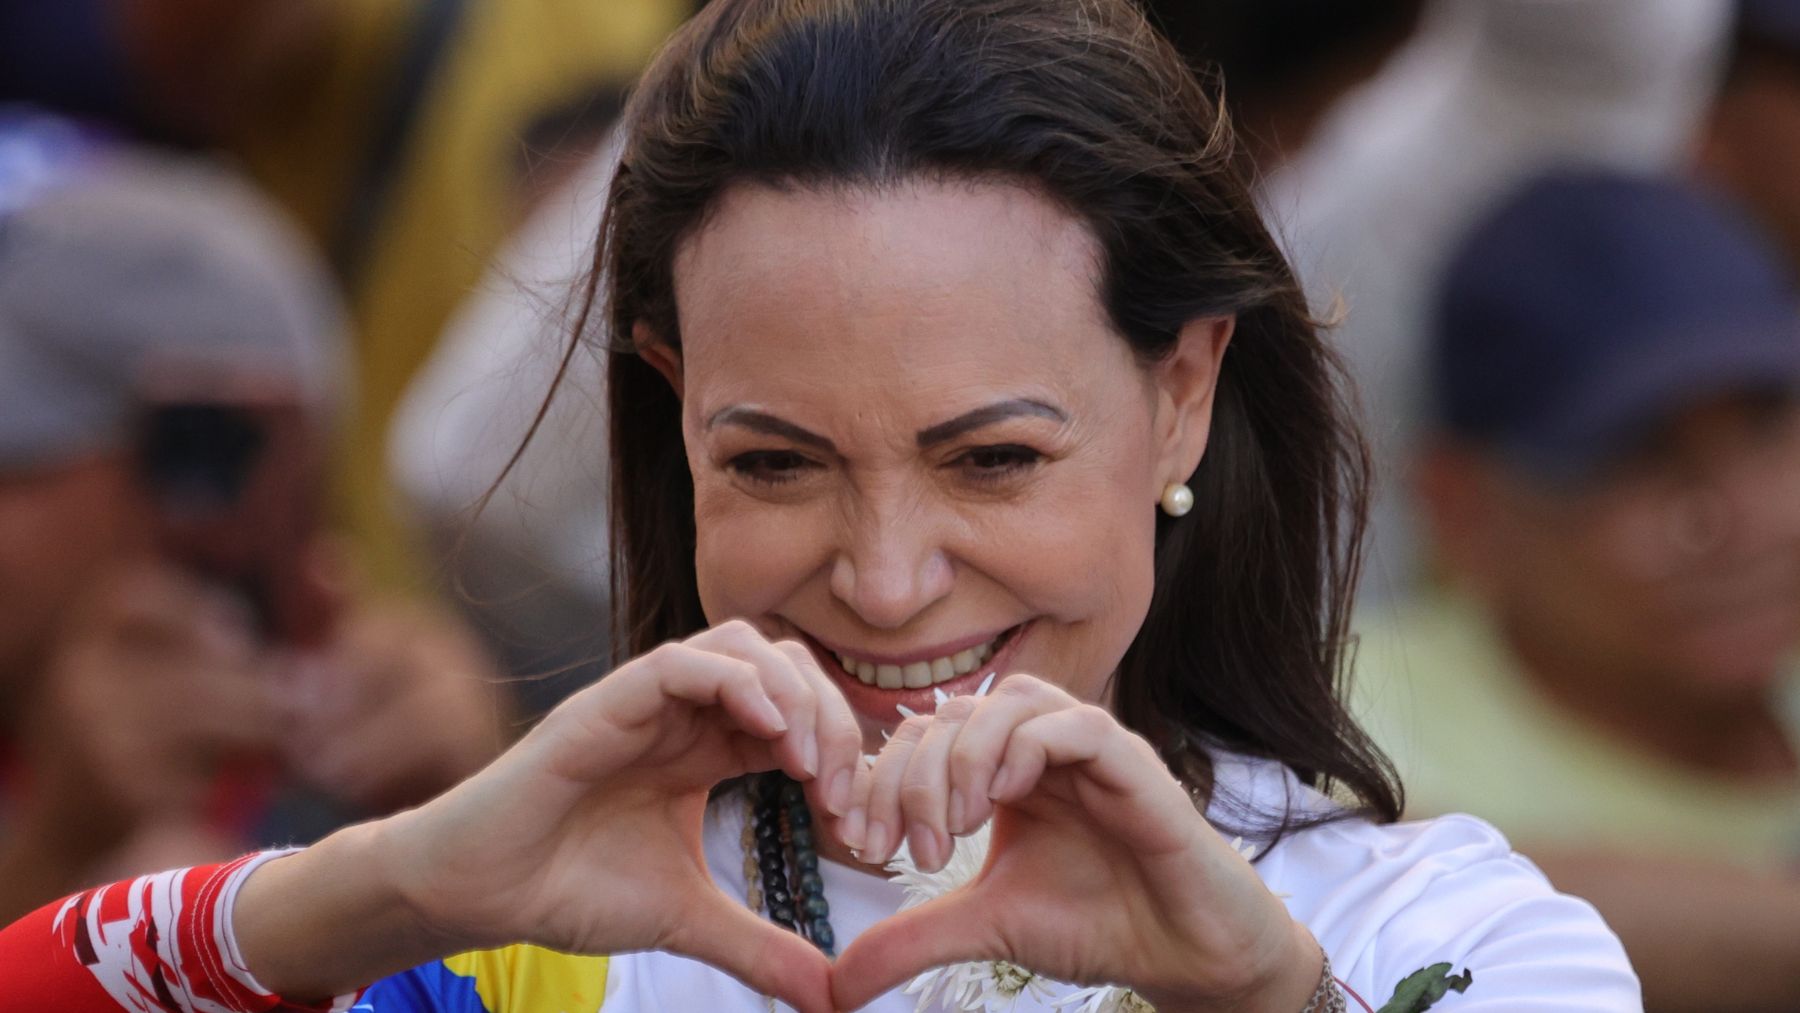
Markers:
{"x": 285, "y": 284}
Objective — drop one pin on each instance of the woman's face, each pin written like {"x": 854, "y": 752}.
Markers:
{"x": 917, "y": 444}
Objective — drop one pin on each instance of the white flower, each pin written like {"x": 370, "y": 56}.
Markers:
{"x": 994, "y": 986}
{"x": 939, "y": 696}
{"x": 1108, "y": 999}
{"x": 966, "y": 859}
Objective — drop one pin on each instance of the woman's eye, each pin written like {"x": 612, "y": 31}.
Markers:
{"x": 769, "y": 467}
{"x": 997, "y": 462}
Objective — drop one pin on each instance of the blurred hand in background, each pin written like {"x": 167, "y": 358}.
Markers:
{"x": 402, "y": 703}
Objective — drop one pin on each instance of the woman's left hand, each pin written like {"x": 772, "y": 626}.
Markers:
{"x": 1101, "y": 871}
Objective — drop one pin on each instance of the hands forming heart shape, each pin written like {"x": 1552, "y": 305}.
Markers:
{"x": 586, "y": 837}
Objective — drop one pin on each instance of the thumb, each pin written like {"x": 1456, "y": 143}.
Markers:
{"x": 755, "y": 951}
{"x": 952, "y": 929}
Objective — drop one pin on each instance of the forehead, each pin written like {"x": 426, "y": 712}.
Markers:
{"x": 982, "y": 281}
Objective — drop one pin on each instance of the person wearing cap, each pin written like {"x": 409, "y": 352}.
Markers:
{"x": 1749, "y": 144}
{"x": 1613, "y": 487}
{"x": 170, "y": 374}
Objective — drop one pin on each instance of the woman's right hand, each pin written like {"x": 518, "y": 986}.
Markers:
{"x": 585, "y": 837}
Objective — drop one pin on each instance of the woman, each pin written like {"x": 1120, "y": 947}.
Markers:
{"x": 932, "y": 310}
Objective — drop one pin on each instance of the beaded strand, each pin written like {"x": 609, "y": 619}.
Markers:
{"x": 771, "y": 855}
{"x": 788, "y": 883}
{"x": 804, "y": 880}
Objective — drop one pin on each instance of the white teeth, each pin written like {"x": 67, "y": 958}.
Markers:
{"x": 918, "y": 674}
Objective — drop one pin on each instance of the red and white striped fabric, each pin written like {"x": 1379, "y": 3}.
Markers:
{"x": 155, "y": 944}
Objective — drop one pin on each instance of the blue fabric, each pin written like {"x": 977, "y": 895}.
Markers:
{"x": 428, "y": 989}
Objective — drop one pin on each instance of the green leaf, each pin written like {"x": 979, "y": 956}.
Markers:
{"x": 1423, "y": 988}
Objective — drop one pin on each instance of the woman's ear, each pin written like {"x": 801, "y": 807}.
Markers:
{"x": 1186, "y": 381}
{"x": 658, "y": 354}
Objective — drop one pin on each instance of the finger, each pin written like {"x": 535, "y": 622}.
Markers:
{"x": 768, "y": 959}
{"x": 949, "y": 930}
{"x": 885, "y": 823}
{"x": 853, "y": 829}
{"x": 1138, "y": 797}
{"x": 164, "y": 608}
{"x": 792, "y": 692}
{"x": 635, "y": 701}
{"x": 754, "y": 755}
{"x": 925, "y": 803}
{"x": 1079, "y": 735}
{"x": 839, "y": 735}
{"x": 981, "y": 744}
{"x": 704, "y": 679}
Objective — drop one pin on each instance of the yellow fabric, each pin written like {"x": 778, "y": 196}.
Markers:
{"x": 457, "y": 192}
{"x": 1439, "y": 692}
{"x": 529, "y": 979}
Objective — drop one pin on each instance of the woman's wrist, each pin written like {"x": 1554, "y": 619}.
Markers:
{"x": 335, "y": 917}
{"x": 1286, "y": 981}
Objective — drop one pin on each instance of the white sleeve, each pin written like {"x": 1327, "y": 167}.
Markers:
{"x": 1388, "y": 901}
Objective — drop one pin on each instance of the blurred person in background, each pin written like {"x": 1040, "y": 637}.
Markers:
{"x": 1285, "y": 63}
{"x": 1613, "y": 483}
{"x": 1750, "y": 144}
{"x": 524, "y": 542}
{"x": 1486, "y": 94}
{"x": 174, "y": 641}
{"x": 390, "y": 129}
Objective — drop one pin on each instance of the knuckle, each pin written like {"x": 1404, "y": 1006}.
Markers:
{"x": 1019, "y": 686}
{"x": 969, "y": 760}
{"x": 1093, "y": 717}
{"x": 795, "y": 650}
{"x": 957, "y": 708}
{"x": 739, "y": 630}
{"x": 912, "y": 729}
{"x": 730, "y": 632}
{"x": 845, "y": 737}
{"x": 1014, "y": 688}
{"x": 917, "y": 795}
{"x": 659, "y": 658}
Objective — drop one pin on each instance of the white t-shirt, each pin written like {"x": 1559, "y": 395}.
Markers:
{"x": 1384, "y": 902}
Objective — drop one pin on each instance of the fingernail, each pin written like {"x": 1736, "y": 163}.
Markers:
{"x": 809, "y": 754}
{"x": 876, "y": 844}
{"x": 855, "y": 829}
{"x": 997, "y": 787}
{"x": 772, "y": 714}
{"x": 957, "y": 812}
{"x": 922, "y": 841}
{"x": 837, "y": 797}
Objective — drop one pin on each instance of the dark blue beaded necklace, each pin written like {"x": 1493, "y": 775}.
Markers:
{"x": 787, "y": 860}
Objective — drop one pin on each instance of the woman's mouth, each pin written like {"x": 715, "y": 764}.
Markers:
{"x": 887, "y": 688}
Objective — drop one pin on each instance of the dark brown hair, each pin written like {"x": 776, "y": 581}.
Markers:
{"x": 1081, "y": 100}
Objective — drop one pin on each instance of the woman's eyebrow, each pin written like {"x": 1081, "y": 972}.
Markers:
{"x": 987, "y": 416}
{"x": 769, "y": 425}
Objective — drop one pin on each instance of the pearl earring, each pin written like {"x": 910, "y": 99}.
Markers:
{"x": 1177, "y": 499}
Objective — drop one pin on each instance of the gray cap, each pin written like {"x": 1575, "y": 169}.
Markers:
{"x": 150, "y": 274}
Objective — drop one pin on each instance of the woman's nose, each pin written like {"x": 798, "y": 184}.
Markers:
{"x": 890, "y": 573}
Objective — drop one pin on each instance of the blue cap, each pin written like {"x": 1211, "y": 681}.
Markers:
{"x": 1589, "y": 306}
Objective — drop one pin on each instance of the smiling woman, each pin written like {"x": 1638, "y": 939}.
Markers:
{"x": 951, "y": 356}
